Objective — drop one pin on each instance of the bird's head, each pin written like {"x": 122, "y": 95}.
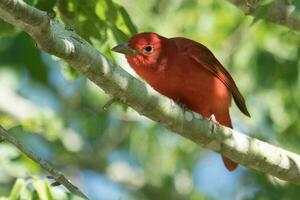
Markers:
{"x": 143, "y": 49}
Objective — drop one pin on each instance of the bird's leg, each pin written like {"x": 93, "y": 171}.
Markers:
{"x": 213, "y": 121}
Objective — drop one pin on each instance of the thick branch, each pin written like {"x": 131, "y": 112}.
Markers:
{"x": 55, "y": 39}
{"x": 280, "y": 12}
{"x": 56, "y": 175}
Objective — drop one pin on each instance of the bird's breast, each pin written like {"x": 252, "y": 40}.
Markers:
{"x": 193, "y": 86}
{"x": 183, "y": 81}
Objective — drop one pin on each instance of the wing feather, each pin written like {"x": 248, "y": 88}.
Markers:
{"x": 205, "y": 58}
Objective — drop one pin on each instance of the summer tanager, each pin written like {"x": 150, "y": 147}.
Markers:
{"x": 187, "y": 72}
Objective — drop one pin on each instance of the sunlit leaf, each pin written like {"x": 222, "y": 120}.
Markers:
{"x": 43, "y": 189}
{"x": 17, "y": 189}
{"x": 132, "y": 28}
{"x": 119, "y": 35}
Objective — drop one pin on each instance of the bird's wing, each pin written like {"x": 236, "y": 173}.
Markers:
{"x": 205, "y": 58}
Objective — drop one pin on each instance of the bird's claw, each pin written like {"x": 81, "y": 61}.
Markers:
{"x": 213, "y": 121}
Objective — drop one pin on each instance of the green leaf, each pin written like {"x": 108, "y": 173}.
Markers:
{"x": 26, "y": 193}
{"x": 105, "y": 10}
{"x": 111, "y": 12}
{"x": 42, "y": 189}
{"x": 131, "y": 27}
{"x": 48, "y": 191}
{"x": 16, "y": 191}
{"x": 101, "y": 9}
{"x": 89, "y": 30}
{"x": 119, "y": 35}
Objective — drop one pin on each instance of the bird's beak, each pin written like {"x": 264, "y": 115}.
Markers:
{"x": 125, "y": 49}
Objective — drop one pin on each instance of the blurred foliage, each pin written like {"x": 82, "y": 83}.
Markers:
{"x": 35, "y": 188}
{"x": 118, "y": 154}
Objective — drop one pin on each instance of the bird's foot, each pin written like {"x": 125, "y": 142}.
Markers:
{"x": 213, "y": 119}
{"x": 214, "y": 122}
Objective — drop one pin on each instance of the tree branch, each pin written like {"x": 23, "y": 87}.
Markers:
{"x": 56, "y": 175}
{"x": 52, "y": 37}
{"x": 280, "y": 11}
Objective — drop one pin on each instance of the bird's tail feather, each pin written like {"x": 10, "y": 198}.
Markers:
{"x": 229, "y": 164}
{"x": 226, "y": 121}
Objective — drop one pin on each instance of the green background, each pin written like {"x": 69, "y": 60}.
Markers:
{"x": 117, "y": 154}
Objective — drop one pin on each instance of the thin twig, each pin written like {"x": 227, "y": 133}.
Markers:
{"x": 57, "y": 176}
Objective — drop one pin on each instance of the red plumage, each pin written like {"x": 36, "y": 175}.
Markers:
{"x": 185, "y": 71}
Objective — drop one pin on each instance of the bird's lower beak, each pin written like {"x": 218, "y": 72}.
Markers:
{"x": 125, "y": 49}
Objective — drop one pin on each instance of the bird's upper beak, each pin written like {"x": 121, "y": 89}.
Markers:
{"x": 125, "y": 49}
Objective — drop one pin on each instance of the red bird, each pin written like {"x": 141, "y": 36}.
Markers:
{"x": 187, "y": 72}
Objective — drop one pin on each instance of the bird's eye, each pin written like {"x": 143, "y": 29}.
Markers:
{"x": 148, "y": 49}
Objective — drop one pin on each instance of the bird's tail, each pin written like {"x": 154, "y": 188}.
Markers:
{"x": 229, "y": 164}
{"x": 226, "y": 121}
